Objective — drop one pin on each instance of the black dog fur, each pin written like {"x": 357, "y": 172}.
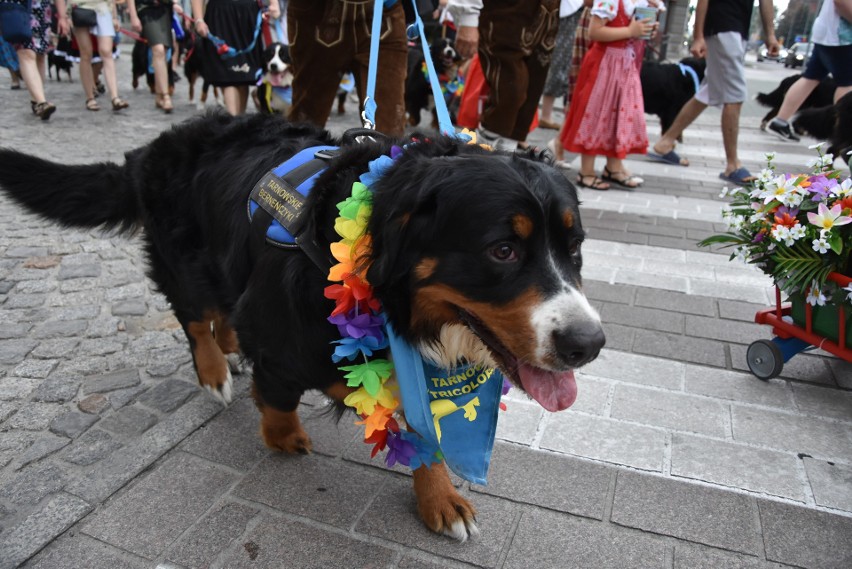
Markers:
{"x": 822, "y": 96}
{"x": 832, "y": 123}
{"x": 59, "y": 62}
{"x": 665, "y": 89}
{"x": 498, "y": 261}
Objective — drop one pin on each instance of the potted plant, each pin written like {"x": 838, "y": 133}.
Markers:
{"x": 797, "y": 228}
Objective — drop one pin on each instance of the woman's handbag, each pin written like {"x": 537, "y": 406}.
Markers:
{"x": 83, "y": 17}
{"x": 16, "y": 20}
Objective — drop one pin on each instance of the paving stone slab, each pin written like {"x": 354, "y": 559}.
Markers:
{"x": 129, "y": 421}
{"x": 78, "y": 270}
{"x": 823, "y": 402}
{"x": 90, "y": 448}
{"x": 12, "y": 388}
{"x": 58, "y": 389}
{"x": 736, "y": 465}
{"x": 679, "y": 302}
{"x": 123, "y": 465}
{"x": 211, "y": 535}
{"x": 605, "y": 439}
{"x": 39, "y": 528}
{"x": 649, "y": 318}
{"x": 669, "y": 410}
{"x": 688, "y": 556}
{"x": 724, "y": 330}
{"x": 736, "y": 386}
{"x": 549, "y": 539}
{"x": 14, "y": 351}
{"x": 794, "y": 433}
{"x": 271, "y": 542}
{"x": 519, "y": 422}
{"x": 72, "y": 424}
{"x": 393, "y": 516}
{"x": 168, "y": 395}
{"x": 619, "y": 337}
{"x": 34, "y": 416}
{"x": 553, "y": 481}
{"x": 804, "y": 537}
{"x": 680, "y": 348}
{"x": 61, "y": 329}
{"x": 695, "y": 513}
{"x": 42, "y": 447}
{"x": 111, "y": 381}
{"x": 232, "y": 438}
{"x": 78, "y": 550}
{"x": 830, "y": 482}
{"x": 319, "y": 488}
{"x": 611, "y": 364}
{"x": 146, "y": 519}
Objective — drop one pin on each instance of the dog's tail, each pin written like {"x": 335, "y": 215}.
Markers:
{"x": 84, "y": 196}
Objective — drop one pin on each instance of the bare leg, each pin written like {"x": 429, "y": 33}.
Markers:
{"x": 232, "y": 100}
{"x": 30, "y": 73}
{"x": 795, "y": 96}
{"x": 688, "y": 113}
{"x": 87, "y": 77}
{"x": 730, "y": 133}
{"x": 840, "y": 91}
{"x": 105, "y": 51}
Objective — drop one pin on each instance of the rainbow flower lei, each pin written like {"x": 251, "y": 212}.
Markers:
{"x": 359, "y": 318}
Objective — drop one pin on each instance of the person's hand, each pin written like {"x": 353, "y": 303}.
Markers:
{"x": 274, "y": 10}
{"x": 63, "y": 25}
{"x": 177, "y": 9}
{"x": 773, "y": 47}
{"x": 699, "y": 47}
{"x": 639, "y": 28}
{"x": 136, "y": 24}
{"x": 201, "y": 28}
{"x": 467, "y": 41}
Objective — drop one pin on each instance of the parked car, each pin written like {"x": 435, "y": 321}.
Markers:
{"x": 797, "y": 55}
{"x": 763, "y": 54}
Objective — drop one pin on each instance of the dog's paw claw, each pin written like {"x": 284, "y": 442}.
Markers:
{"x": 223, "y": 393}
{"x": 452, "y": 515}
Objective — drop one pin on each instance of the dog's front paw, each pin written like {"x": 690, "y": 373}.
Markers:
{"x": 282, "y": 431}
{"x": 441, "y": 507}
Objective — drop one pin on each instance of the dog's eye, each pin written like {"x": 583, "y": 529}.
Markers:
{"x": 504, "y": 252}
{"x": 574, "y": 248}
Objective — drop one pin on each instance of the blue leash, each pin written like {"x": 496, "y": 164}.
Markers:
{"x": 687, "y": 70}
{"x": 368, "y": 116}
{"x": 227, "y": 52}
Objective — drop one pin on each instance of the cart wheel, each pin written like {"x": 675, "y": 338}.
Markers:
{"x": 764, "y": 359}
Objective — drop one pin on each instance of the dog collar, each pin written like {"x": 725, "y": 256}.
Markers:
{"x": 454, "y": 412}
{"x": 687, "y": 70}
{"x": 276, "y": 204}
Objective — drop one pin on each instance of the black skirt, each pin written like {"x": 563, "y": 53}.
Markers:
{"x": 233, "y": 21}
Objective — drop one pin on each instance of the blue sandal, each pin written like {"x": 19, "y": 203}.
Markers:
{"x": 740, "y": 177}
{"x": 670, "y": 157}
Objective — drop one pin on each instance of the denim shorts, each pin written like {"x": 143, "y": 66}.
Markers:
{"x": 834, "y": 59}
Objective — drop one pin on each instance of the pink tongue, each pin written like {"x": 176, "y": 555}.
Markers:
{"x": 554, "y": 391}
{"x": 276, "y": 79}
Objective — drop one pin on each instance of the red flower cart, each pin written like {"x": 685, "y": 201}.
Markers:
{"x": 798, "y": 326}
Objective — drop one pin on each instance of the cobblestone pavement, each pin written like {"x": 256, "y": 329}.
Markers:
{"x": 673, "y": 456}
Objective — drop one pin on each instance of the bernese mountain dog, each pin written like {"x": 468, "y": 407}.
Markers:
{"x": 475, "y": 257}
{"x": 832, "y": 123}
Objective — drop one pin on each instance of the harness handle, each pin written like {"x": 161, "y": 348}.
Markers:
{"x": 368, "y": 115}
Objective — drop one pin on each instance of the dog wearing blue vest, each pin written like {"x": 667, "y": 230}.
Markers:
{"x": 475, "y": 257}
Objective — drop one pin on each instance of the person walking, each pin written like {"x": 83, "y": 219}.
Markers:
{"x": 31, "y": 58}
{"x": 104, "y": 31}
{"x": 832, "y": 53}
{"x": 721, "y": 30}
{"x": 236, "y": 23}
{"x": 329, "y": 38}
{"x": 556, "y": 84}
{"x": 515, "y": 42}
{"x": 153, "y": 19}
{"x": 607, "y": 115}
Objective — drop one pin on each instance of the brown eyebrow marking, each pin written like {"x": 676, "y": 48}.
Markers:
{"x": 522, "y": 225}
{"x": 568, "y": 218}
{"x": 425, "y": 268}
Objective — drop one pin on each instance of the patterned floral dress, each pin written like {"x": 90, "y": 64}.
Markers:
{"x": 40, "y": 22}
{"x": 607, "y": 112}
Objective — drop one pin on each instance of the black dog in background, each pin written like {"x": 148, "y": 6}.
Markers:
{"x": 61, "y": 63}
{"x": 666, "y": 87}
{"x": 822, "y": 96}
{"x": 832, "y": 123}
{"x": 418, "y": 90}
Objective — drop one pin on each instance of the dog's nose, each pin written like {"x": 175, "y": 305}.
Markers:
{"x": 580, "y": 343}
